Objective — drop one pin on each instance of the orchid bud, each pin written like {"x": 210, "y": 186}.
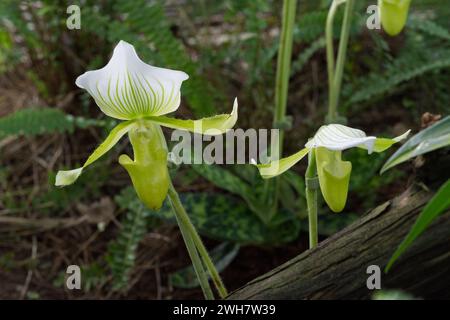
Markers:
{"x": 393, "y": 14}
{"x": 148, "y": 171}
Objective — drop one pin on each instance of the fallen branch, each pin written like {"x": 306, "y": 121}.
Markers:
{"x": 337, "y": 268}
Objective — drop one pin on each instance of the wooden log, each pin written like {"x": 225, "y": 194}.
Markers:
{"x": 337, "y": 268}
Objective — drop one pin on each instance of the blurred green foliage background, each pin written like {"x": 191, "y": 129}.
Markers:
{"x": 229, "y": 49}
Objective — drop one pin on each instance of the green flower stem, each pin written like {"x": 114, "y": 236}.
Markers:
{"x": 330, "y": 46}
{"x": 311, "y": 198}
{"x": 190, "y": 245}
{"x": 335, "y": 73}
{"x": 282, "y": 82}
{"x": 186, "y": 224}
{"x": 284, "y": 62}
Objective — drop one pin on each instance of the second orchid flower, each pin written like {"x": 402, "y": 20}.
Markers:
{"x": 334, "y": 173}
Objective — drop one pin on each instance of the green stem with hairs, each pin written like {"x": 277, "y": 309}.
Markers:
{"x": 186, "y": 225}
{"x": 335, "y": 73}
{"x": 311, "y": 198}
{"x": 330, "y": 47}
{"x": 284, "y": 62}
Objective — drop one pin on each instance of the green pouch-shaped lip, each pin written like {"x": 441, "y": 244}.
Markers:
{"x": 148, "y": 171}
{"x": 393, "y": 15}
{"x": 334, "y": 177}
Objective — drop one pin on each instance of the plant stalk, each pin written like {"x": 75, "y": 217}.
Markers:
{"x": 284, "y": 64}
{"x": 330, "y": 46}
{"x": 185, "y": 224}
{"x": 335, "y": 73}
{"x": 190, "y": 246}
{"x": 282, "y": 84}
{"x": 311, "y": 198}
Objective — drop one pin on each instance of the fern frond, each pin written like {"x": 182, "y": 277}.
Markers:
{"x": 122, "y": 251}
{"x": 306, "y": 54}
{"x": 429, "y": 27}
{"x": 404, "y": 69}
{"x": 35, "y": 121}
{"x": 310, "y": 26}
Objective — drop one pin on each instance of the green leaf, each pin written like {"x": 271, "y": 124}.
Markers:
{"x": 223, "y": 218}
{"x": 437, "y": 205}
{"x": 255, "y": 193}
{"x": 432, "y": 138}
{"x": 222, "y": 256}
{"x": 226, "y": 180}
{"x": 292, "y": 194}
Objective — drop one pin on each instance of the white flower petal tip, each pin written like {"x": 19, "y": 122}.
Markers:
{"x": 65, "y": 178}
{"x": 128, "y": 88}
{"x": 402, "y": 137}
{"x": 253, "y": 162}
{"x": 338, "y": 137}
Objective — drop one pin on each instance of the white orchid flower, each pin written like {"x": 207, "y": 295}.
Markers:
{"x": 334, "y": 174}
{"x": 129, "y": 89}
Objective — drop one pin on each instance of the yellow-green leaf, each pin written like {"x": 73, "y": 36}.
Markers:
{"x": 437, "y": 205}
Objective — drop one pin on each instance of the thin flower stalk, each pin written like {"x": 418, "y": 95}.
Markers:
{"x": 335, "y": 72}
{"x": 129, "y": 89}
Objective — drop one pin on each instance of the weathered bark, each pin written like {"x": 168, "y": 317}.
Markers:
{"x": 337, "y": 268}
